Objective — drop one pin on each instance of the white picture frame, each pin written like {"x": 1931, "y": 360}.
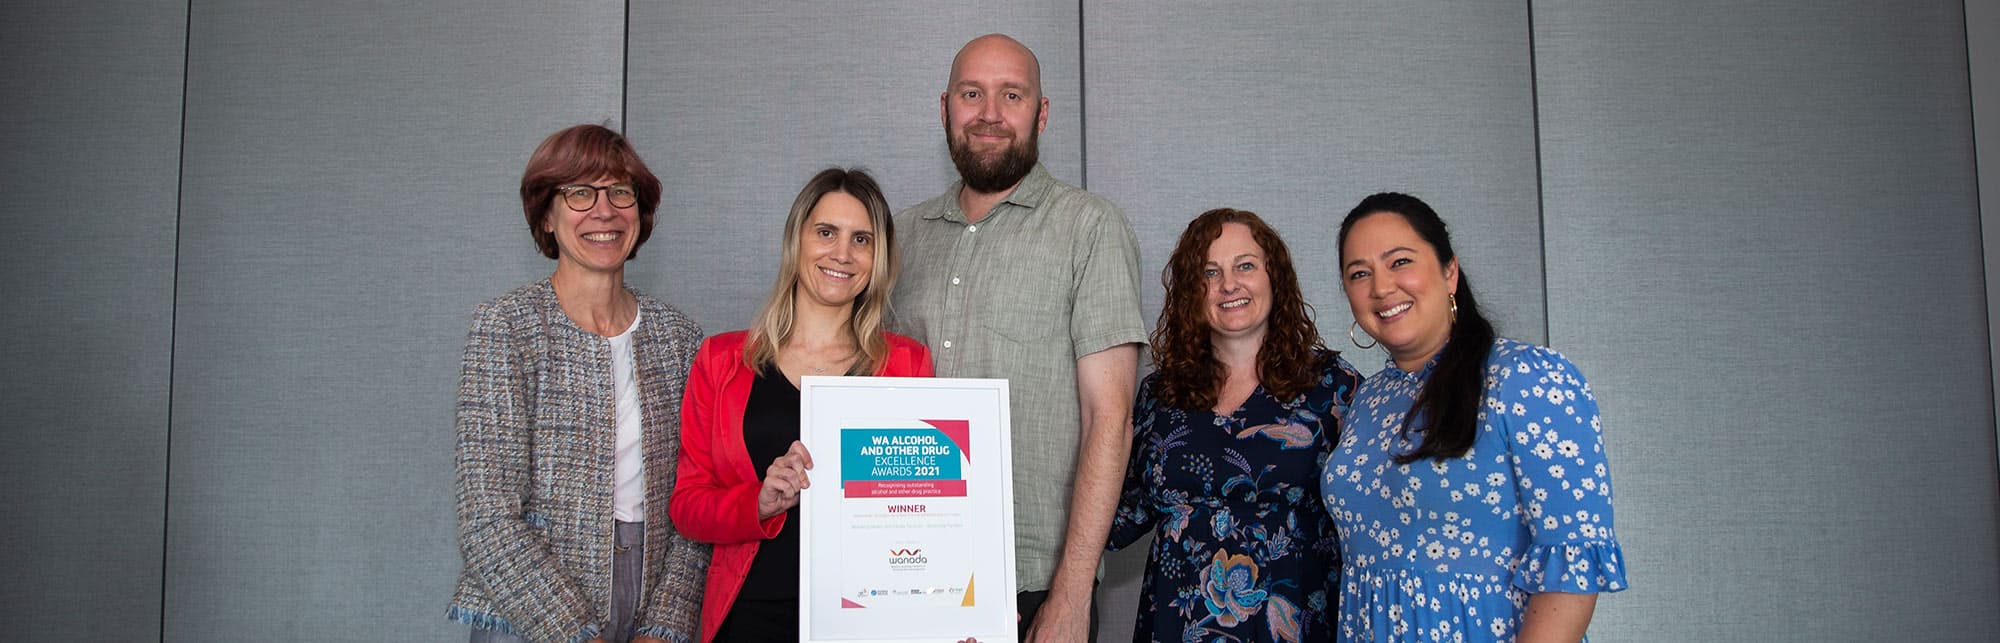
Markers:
{"x": 911, "y": 490}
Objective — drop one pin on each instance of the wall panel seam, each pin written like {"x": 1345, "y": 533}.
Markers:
{"x": 173, "y": 320}
{"x": 1082, "y": 106}
{"x": 625, "y": 74}
{"x": 1541, "y": 182}
{"x": 1979, "y": 217}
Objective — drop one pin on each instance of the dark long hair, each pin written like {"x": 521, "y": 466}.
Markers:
{"x": 1189, "y": 375}
{"x": 1449, "y": 400}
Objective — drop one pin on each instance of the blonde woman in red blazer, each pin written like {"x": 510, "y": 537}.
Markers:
{"x": 824, "y": 317}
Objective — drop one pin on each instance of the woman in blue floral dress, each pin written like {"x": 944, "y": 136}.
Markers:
{"x": 1470, "y": 485}
{"x": 1229, "y": 435}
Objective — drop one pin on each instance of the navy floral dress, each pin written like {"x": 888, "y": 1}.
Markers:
{"x": 1243, "y": 549}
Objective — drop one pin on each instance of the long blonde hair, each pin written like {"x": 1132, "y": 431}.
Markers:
{"x": 772, "y": 328}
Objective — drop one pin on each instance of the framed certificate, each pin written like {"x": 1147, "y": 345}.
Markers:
{"x": 907, "y": 532}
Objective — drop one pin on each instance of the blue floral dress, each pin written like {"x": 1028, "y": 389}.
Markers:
{"x": 1450, "y": 551}
{"x": 1243, "y": 549}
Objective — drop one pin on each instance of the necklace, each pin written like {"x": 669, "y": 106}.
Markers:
{"x": 821, "y": 368}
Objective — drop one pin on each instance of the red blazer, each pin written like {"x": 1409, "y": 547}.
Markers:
{"x": 715, "y": 488}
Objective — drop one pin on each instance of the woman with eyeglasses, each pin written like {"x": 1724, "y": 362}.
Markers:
{"x": 1471, "y": 491}
{"x": 568, "y": 424}
{"x": 741, "y": 464}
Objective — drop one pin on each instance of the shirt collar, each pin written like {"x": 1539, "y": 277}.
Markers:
{"x": 1029, "y": 194}
{"x": 1389, "y": 367}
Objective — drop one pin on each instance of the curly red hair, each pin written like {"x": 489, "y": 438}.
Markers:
{"x": 1189, "y": 374}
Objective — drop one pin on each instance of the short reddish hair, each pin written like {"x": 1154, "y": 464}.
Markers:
{"x": 580, "y": 154}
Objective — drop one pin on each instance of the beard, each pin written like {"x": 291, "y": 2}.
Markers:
{"x": 994, "y": 171}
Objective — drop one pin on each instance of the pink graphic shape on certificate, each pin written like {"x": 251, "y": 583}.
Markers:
{"x": 958, "y": 431}
{"x": 904, "y": 489}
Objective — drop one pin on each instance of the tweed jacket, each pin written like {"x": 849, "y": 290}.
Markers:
{"x": 717, "y": 499}
{"x": 536, "y": 434}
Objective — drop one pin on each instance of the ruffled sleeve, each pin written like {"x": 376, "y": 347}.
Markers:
{"x": 1584, "y": 567}
{"x": 1556, "y": 446}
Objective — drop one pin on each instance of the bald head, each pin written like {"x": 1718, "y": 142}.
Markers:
{"x": 993, "y": 110}
{"x": 997, "y": 50}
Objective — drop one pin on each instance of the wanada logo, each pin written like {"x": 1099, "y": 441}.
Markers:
{"x": 907, "y": 557}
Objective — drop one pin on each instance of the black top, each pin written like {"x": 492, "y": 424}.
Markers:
{"x": 770, "y": 424}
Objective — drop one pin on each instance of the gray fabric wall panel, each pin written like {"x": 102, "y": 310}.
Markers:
{"x": 349, "y": 196}
{"x": 735, "y": 106}
{"x": 89, "y": 146}
{"x": 1298, "y": 110}
{"x": 1762, "y": 248}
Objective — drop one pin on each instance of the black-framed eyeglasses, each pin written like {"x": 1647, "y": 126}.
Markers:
{"x": 581, "y": 197}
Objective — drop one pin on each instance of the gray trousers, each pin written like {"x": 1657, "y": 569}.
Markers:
{"x": 627, "y": 559}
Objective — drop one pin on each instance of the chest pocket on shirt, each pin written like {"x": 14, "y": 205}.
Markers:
{"x": 1034, "y": 309}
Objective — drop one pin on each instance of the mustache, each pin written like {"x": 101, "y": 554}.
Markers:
{"x": 989, "y": 130}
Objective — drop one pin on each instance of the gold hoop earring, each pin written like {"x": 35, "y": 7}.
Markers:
{"x": 1357, "y": 343}
{"x": 1453, "y": 298}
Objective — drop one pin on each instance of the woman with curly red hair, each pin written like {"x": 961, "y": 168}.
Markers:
{"x": 1229, "y": 435}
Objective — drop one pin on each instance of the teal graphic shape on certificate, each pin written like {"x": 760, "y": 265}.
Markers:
{"x": 903, "y": 462}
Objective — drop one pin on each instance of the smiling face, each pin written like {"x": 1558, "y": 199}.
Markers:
{"x": 598, "y": 239}
{"x": 1238, "y": 293}
{"x": 836, "y": 252}
{"x": 1398, "y": 290}
{"x": 993, "y": 111}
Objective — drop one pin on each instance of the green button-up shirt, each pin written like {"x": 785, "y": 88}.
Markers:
{"x": 1051, "y": 274}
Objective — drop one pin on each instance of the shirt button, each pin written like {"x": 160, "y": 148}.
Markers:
{"x": 947, "y": 343}
{"x": 972, "y": 228}
{"x": 954, "y": 281}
